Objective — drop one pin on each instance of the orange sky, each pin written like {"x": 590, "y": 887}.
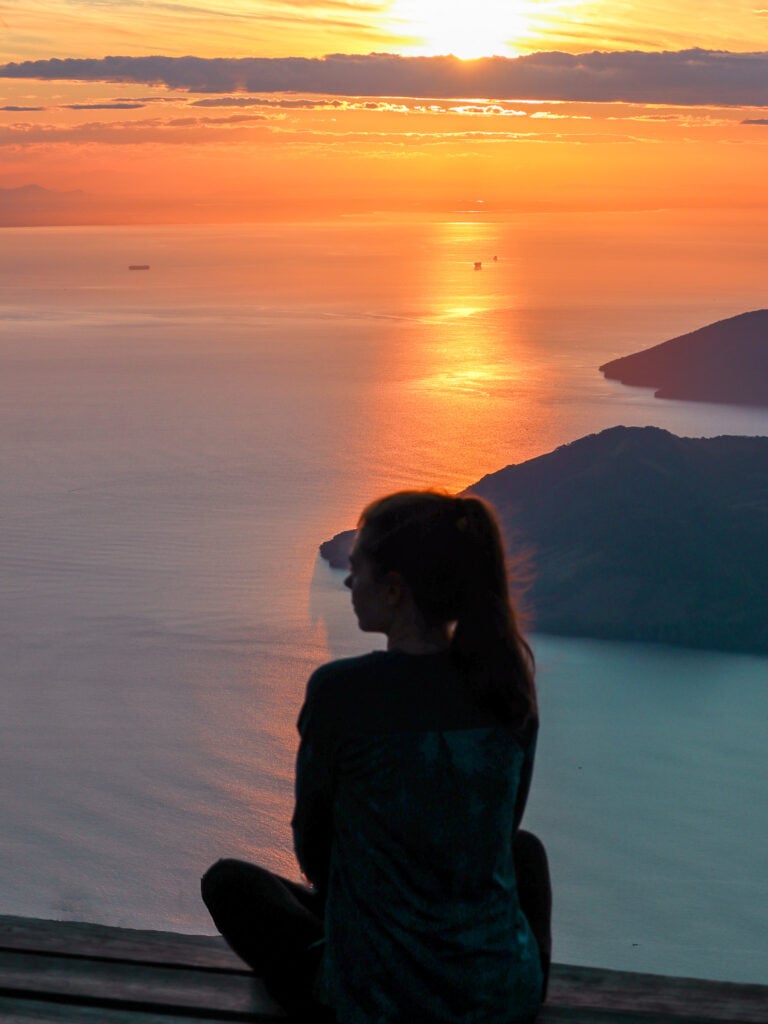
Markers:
{"x": 302, "y": 28}
{"x": 654, "y": 127}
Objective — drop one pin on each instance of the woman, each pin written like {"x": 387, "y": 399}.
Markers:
{"x": 428, "y": 904}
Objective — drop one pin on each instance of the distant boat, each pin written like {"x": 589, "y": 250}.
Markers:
{"x": 139, "y": 266}
{"x": 478, "y": 264}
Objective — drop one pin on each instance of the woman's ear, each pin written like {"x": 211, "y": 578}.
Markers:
{"x": 395, "y": 588}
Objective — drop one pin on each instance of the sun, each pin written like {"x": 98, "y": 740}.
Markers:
{"x": 465, "y": 28}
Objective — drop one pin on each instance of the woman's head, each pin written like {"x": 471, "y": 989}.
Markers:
{"x": 444, "y": 548}
{"x": 450, "y": 554}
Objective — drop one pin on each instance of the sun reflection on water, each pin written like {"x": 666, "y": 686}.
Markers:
{"x": 471, "y": 346}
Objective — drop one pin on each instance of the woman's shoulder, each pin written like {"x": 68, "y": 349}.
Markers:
{"x": 342, "y": 667}
{"x": 393, "y": 670}
{"x": 341, "y": 671}
{"x": 336, "y": 688}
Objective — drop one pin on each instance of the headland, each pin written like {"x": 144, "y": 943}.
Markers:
{"x": 637, "y": 534}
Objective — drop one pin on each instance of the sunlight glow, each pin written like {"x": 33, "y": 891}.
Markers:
{"x": 480, "y": 28}
{"x": 454, "y": 312}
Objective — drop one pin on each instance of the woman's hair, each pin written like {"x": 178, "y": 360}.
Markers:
{"x": 451, "y": 554}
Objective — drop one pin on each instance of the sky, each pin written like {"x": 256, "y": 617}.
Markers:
{"x": 235, "y": 109}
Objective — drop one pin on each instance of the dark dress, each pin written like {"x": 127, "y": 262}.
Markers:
{"x": 407, "y": 800}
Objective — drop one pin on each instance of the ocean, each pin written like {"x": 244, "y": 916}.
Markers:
{"x": 177, "y": 442}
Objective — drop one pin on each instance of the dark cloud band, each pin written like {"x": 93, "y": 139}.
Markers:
{"x": 687, "y": 77}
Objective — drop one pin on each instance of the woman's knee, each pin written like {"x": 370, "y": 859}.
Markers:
{"x": 530, "y": 857}
{"x": 220, "y": 877}
{"x": 529, "y": 844}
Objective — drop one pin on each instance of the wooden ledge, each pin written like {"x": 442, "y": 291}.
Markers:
{"x": 65, "y": 972}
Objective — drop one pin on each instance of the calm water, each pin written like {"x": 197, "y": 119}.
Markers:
{"x": 176, "y": 443}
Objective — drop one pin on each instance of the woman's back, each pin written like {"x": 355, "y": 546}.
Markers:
{"x": 412, "y": 775}
{"x": 408, "y": 796}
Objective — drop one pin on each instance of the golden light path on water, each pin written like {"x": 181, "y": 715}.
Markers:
{"x": 473, "y": 357}
{"x": 470, "y": 388}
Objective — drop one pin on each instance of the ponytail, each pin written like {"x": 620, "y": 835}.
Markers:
{"x": 487, "y": 642}
{"x": 451, "y": 554}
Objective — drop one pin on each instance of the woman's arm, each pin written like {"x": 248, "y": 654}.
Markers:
{"x": 312, "y": 820}
{"x": 526, "y": 773}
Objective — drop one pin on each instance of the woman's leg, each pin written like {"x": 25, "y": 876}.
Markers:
{"x": 535, "y": 893}
{"x": 273, "y": 924}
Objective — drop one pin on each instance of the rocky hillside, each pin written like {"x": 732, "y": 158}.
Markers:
{"x": 637, "y": 534}
{"x": 724, "y": 362}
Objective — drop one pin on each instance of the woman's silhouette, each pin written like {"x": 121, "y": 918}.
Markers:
{"x": 428, "y": 904}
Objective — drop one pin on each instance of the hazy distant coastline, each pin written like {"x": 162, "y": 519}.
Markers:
{"x": 725, "y": 361}
{"x": 32, "y": 205}
{"x": 637, "y": 534}
{"x": 35, "y": 206}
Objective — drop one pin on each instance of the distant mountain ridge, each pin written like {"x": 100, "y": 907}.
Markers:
{"x": 36, "y": 193}
{"x": 726, "y": 361}
{"x": 637, "y": 534}
{"x": 34, "y": 205}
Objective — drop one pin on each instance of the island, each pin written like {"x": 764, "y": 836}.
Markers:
{"x": 723, "y": 362}
{"x": 637, "y": 534}
{"x": 35, "y": 206}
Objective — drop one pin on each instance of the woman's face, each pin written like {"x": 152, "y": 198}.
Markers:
{"x": 371, "y": 594}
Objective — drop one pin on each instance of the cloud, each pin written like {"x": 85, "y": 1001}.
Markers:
{"x": 549, "y": 115}
{"x": 236, "y": 127}
{"x": 684, "y": 78}
{"x": 383, "y": 141}
{"x": 22, "y": 110}
{"x": 250, "y": 129}
{"x": 102, "y": 106}
{"x": 483, "y": 110}
{"x": 385, "y": 106}
{"x": 756, "y": 120}
{"x": 259, "y": 101}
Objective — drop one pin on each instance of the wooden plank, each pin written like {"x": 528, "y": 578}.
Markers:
{"x": 591, "y": 1015}
{"x": 149, "y": 972}
{"x": 105, "y": 942}
{"x": 582, "y": 1015}
{"x": 683, "y": 999}
{"x": 34, "y": 1011}
{"x": 132, "y": 986}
